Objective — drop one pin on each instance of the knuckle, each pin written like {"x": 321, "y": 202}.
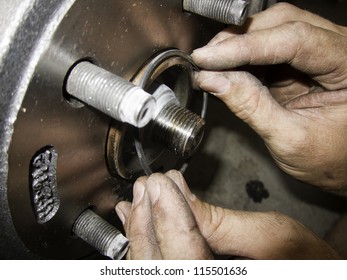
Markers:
{"x": 162, "y": 179}
{"x": 215, "y": 223}
{"x": 157, "y": 177}
{"x": 142, "y": 179}
{"x": 302, "y": 30}
{"x": 173, "y": 172}
{"x": 285, "y": 9}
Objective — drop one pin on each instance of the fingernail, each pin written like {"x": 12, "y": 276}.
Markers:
{"x": 120, "y": 214}
{"x": 138, "y": 191}
{"x": 216, "y": 84}
{"x": 153, "y": 192}
{"x": 199, "y": 51}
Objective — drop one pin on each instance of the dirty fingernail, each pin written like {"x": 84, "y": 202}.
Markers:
{"x": 139, "y": 191}
{"x": 216, "y": 85}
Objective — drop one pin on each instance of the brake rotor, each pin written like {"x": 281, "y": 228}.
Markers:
{"x": 55, "y": 158}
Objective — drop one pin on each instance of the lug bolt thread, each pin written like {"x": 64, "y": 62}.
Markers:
{"x": 110, "y": 94}
{"x": 225, "y": 11}
{"x": 179, "y": 129}
{"x": 101, "y": 235}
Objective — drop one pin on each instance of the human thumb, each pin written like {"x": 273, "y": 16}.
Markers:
{"x": 254, "y": 235}
{"x": 246, "y": 97}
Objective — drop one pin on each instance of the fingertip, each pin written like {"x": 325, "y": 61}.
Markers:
{"x": 248, "y": 98}
{"x": 199, "y": 51}
{"x": 173, "y": 222}
{"x": 153, "y": 187}
{"x": 138, "y": 191}
{"x": 201, "y": 55}
{"x": 216, "y": 84}
{"x": 172, "y": 174}
{"x": 178, "y": 178}
{"x": 142, "y": 180}
{"x": 161, "y": 187}
{"x": 123, "y": 209}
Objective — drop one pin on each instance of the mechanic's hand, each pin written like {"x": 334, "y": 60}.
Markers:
{"x": 159, "y": 222}
{"x": 166, "y": 221}
{"x": 302, "y": 114}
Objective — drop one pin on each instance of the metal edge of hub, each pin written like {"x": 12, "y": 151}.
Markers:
{"x": 27, "y": 38}
{"x": 144, "y": 78}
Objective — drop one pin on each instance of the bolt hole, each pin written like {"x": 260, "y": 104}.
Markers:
{"x": 72, "y": 101}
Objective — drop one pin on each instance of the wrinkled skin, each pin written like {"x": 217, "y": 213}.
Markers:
{"x": 302, "y": 112}
{"x": 166, "y": 221}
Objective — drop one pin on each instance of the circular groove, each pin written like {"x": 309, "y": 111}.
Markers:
{"x": 142, "y": 82}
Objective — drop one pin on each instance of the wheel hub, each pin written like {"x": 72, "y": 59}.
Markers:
{"x": 65, "y": 157}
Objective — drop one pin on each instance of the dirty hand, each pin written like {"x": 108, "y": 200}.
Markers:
{"x": 166, "y": 221}
{"x": 302, "y": 113}
{"x": 159, "y": 222}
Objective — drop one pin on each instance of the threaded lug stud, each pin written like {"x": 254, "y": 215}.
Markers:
{"x": 179, "y": 129}
{"x": 110, "y": 94}
{"x": 101, "y": 235}
{"x": 225, "y": 11}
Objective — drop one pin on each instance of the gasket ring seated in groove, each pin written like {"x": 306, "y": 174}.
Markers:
{"x": 122, "y": 137}
{"x": 147, "y": 76}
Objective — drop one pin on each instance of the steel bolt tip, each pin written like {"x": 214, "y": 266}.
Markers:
{"x": 178, "y": 128}
{"x": 137, "y": 108}
{"x": 110, "y": 94}
{"x": 101, "y": 235}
